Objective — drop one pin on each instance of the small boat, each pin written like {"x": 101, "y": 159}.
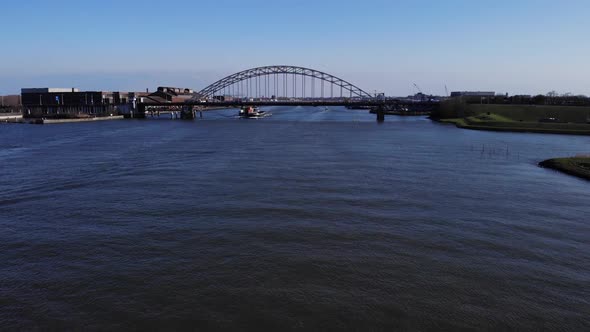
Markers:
{"x": 253, "y": 113}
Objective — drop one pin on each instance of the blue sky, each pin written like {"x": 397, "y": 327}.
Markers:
{"x": 505, "y": 46}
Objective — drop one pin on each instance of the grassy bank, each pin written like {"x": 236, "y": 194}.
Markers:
{"x": 535, "y": 113}
{"x": 576, "y": 166}
{"x": 522, "y": 118}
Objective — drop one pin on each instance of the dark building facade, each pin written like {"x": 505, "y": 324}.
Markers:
{"x": 10, "y": 104}
{"x": 169, "y": 94}
{"x": 473, "y": 94}
{"x": 67, "y": 103}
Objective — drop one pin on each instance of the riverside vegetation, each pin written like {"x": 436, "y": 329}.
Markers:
{"x": 578, "y": 166}
{"x": 519, "y": 118}
{"x": 550, "y": 119}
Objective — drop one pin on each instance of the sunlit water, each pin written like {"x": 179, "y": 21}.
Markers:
{"x": 310, "y": 220}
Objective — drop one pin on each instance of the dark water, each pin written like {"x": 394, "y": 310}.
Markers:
{"x": 308, "y": 220}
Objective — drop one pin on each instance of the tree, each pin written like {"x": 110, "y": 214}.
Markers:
{"x": 539, "y": 99}
{"x": 453, "y": 108}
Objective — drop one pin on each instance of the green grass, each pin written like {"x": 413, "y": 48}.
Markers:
{"x": 577, "y": 166}
{"x": 530, "y": 127}
{"x": 491, "y": 117}
{"x": 519, "y": 118}
{"x": 457, "y": 121}
{"x": 534, "y": 113}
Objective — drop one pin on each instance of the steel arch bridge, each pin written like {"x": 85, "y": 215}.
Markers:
{"x": 282, "y": 82}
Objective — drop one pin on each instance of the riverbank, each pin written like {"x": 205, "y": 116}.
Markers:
{"x": 576, "y": 166}
{"x": 521, "y": 118}
{"x": 476, "y": 123}
{"x": 403, "y": 113}
{"x": 10, "y": 117}
{"x": 56, "y": 121}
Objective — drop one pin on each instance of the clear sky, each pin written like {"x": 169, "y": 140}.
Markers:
{"x": 518, "y": 46}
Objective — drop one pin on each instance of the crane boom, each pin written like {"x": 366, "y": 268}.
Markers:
{"x": 418, "y": 88}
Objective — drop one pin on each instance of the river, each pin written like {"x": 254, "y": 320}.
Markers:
{"x": 311, "y": 219}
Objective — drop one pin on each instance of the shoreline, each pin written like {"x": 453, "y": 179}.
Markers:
{"x": 106, "y": 118}
{"x": 58, "y": 121}
{"x": 464, "y": 124}
{"x": 10, "y": 117}
{"x": 575, "y": 166}
{"x": 403, "y": 113}
{"x": 542, "y": 119}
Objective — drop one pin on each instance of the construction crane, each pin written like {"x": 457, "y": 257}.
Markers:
{"x": 418, "y": 88}
{"x": 423, "y": 96}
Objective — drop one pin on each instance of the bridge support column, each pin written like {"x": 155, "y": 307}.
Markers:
{"x": 187, "y": 114}
{"x": 380, "y": 114}
{"x": 140, "y": 112}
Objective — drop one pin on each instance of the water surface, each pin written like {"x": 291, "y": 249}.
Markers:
{"x": 308, "y": 220}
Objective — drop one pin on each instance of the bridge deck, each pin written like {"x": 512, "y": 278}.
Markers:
{"x": 240, "y": 103}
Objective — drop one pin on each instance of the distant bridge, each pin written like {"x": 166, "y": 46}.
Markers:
{"x": 284, "y": 86}
{"x": 350, "y": 103}
{"x": 282, "y": 81}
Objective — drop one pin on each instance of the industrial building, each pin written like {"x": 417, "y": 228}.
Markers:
{"x": 10, "y": 101}
{"x": 71, "y": 97}
{"x": 71, "y": 102}
{"x": 166, "y": 94}
{"x": 473, "y": 94}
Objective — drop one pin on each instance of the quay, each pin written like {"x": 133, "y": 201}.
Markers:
{"x": 10, "y": 117}
{"x": 56, "y": 121}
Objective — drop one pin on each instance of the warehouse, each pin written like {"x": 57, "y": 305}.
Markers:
{"x": 72, "y": 103}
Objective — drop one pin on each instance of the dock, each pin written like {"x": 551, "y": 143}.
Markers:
{"x": 11, "y": 117}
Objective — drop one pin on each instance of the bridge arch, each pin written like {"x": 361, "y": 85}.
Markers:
{"x": 284, "y": 83}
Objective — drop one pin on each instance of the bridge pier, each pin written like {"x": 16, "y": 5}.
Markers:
{"x": 187, "y": 113}
{"x": 380, "y": 114}
{"x": 140, "y": 112}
